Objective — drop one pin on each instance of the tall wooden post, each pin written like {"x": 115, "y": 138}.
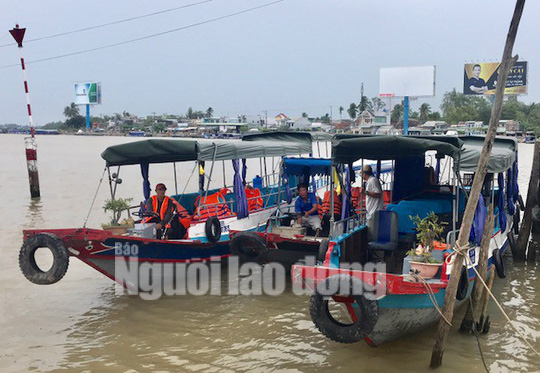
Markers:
{"x": 463, "y": 239}
{"x": 532, "y": 200}
{"x": 30, "y": 142}
{"x": 467, "y": 324}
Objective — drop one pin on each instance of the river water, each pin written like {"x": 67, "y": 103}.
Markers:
{"x": 82, "y": 324}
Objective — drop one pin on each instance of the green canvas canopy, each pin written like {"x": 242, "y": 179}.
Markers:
{"x": 349, "y": 149}
{"x": 280, "y": 136}
{"x": 169, "y": 150}
{"x": 503, "y": 153}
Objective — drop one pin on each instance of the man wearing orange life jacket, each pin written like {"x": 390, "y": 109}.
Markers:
{"x": 163, "y": 208}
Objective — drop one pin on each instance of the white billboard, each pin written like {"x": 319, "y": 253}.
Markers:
{"x": 407, "y": 81}
{"x": 87, "y": 93}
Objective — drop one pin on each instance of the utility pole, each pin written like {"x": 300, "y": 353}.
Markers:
{"x": 30, "y": 142}
{"x": 266, "y": 118}
{"x": 463, "y": 239}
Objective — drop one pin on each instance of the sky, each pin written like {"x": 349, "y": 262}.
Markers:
{"x": 292, "y": 56}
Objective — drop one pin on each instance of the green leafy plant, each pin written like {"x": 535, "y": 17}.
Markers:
{"x": 116, "y": 206}
{"x": 428, "y": 229}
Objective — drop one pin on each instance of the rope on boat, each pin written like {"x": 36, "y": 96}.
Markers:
{"x": 187, "y": 183}
{"x": 464, "y": 250}
{"x": 94, "y": 200}
{"x": 431, "y": 296}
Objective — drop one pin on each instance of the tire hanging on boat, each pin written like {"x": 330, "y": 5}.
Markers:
{"x": 499, "y": 263}
{"x": 366, "y": 314}
{"x": 323, "y": 248}
{"x": 249, "y": 247}
{"x": 27, "y": 259}
{"x": 463, "y": 285}
{"x": 212, "y": 228}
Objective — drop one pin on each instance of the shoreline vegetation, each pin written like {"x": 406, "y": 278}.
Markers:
{"x": 455, "y": 108}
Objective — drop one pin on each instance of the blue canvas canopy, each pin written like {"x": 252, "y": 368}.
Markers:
{"x": 303, "y": 166}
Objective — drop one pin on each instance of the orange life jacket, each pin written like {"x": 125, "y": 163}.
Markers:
{"x": 255, "y": 201}
{"x": 162, "y": 211}
{"x": 326, "y": 203}
{"x": 212, "y": 205}
{"x": 356, "y": 194}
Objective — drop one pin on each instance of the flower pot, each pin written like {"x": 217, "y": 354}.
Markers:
{"x": 116, "y": 229}
{"x": 425, "y": 270}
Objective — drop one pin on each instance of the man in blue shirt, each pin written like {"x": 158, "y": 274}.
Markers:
{"x": 306, "y": 207}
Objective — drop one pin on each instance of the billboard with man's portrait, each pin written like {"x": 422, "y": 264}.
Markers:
{"x": 481, "y": 79}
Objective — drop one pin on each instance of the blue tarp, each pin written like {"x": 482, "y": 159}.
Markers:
{"x": 306, "y": 166}
{"x": 479, "y": 220}
{"x": 242, "y": 210}
{"x": 500, "y": 202}
{"x": 146, "y": 182}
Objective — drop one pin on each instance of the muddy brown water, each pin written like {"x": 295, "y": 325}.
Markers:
{"x": 82, "y": 324}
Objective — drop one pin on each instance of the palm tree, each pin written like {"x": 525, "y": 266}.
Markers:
{"x": 71, "y": 111}
{"x": 425, "y": 110}
{"x": 352, "y": 111}
{"x": 304, "y": 115}
{"x": 209, "y": 112}
{"x": 340, "y": 112}
{"x": 364, "y": 104}
{"x": 377, "y": 103}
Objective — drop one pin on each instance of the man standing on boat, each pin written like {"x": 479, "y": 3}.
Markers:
{"x": 374, "y": 200}
{"x": 306, "y": 206}
{"x": 163, "y": 208}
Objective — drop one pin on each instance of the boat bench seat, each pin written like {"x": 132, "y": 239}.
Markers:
{"x": 420, "y": 207}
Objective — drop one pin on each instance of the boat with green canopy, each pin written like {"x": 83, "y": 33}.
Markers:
{"x": 364, "y": 286}
{"x": 210, "y": 213}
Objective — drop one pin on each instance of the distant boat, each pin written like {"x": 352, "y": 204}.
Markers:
{"x": 46, "y": 132}
{"x": 530, "y": 137}
{"x": 137, "y": 133}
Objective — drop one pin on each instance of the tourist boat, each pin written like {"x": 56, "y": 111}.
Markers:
{"x": 285, "y": 242}
{"x": 395, "y": 302}
{"x": 206, "y": 239}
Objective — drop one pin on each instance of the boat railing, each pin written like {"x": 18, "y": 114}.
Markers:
{"x": 452, "y": 234}
{"x": 230, "y": 204}
{"x": 345, "y": 225}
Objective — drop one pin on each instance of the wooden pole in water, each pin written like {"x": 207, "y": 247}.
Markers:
{"x": 463, "y": 239}
{"x": 30, "y": 142}
{"x": 484, "y": 319}
{"x": 532, "y": 200}
{"x": 468, "y": 321}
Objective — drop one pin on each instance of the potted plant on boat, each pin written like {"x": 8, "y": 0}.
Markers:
{"x": 429, "y": 231}
{"x": 116, "y": 207}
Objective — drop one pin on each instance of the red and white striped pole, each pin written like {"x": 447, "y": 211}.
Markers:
{"x": 30, "y": 142}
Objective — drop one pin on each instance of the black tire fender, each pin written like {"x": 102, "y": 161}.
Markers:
{"x": 498, "y": 260}
{"x": 212, "y": 228}
{"x": 27, "y": 259}
{"x": 463, "y": 285}
{"x": 249, "y": 247}
{"x": 323, "y": 248}
{"x": 333, "y": 329}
